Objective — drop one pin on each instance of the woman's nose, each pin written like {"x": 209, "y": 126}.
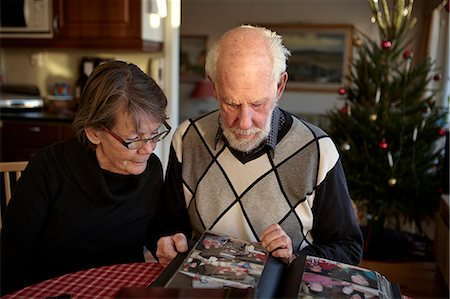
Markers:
{"x": 148, "y": 148}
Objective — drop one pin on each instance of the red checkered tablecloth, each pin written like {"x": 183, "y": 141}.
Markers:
{"x": 103, "y": 282}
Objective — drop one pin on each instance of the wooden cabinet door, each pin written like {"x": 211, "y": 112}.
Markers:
{"x": 98, "y": 23}
{"x": 20, "y": 140}
{"x": 95, "y": 19}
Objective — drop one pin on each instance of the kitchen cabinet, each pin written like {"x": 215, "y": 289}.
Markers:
{"x": 95, "y": 24}
{"x": 20, "y": 140}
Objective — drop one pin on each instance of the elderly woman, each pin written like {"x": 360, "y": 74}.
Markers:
{"x": 92, "y": 200}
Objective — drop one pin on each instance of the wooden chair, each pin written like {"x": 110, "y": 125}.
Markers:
{"x": 11, "y": 172}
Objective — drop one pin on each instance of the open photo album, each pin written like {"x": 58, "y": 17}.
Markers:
{"x": 218, "y": 261}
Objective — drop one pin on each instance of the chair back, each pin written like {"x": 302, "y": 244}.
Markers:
{"x": 11, "y": 172}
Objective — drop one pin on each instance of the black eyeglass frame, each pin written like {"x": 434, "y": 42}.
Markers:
{"x": 154, "y": 139}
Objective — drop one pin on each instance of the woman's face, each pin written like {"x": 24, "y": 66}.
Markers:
{"x": 113, "y": 156}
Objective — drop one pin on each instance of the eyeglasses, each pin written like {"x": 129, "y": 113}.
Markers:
{"x": 163, "y": 131}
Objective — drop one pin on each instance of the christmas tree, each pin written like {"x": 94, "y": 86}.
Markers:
{"x": 389, "y": 126}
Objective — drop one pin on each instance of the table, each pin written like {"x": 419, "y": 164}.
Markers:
{"x": 103, "y": 282}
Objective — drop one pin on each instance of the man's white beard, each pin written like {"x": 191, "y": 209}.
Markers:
{"x": 247, "y": 145}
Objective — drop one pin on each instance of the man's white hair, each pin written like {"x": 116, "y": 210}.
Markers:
{"x": 278, "y": 52}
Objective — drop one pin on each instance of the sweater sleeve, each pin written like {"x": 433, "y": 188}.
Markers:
{"x": 154, "y": 229}
{"x": 335, "y": 231}
{"x": 172, "y": 215}
{"x": 23, "y": 220}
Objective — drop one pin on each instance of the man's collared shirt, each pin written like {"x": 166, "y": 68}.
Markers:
{"x": 277, "y": 124}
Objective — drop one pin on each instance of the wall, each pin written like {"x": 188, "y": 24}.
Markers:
{"x": 45, "y": 67}
{"x": 213, "y": 17}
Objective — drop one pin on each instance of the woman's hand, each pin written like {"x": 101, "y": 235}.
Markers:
{"x": 168, "y": 248}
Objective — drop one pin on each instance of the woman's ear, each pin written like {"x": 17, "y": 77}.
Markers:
{"x": 94, "y": 135}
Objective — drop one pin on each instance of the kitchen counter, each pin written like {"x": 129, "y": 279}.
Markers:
{"x": 23, "y": 133}
{"x": 41, "y": 116}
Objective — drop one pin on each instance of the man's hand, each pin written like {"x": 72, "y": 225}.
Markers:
{"x": 168, "y": 248}
{"x": 278, "y": 243}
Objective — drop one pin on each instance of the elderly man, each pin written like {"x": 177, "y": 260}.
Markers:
{"x": 251, "y": 169}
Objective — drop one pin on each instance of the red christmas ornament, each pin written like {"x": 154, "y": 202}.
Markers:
{"x": 383, "y": 144}
{"x": 437, "y": 77}
{"x": 342, "y": 91}
{"x": 386, "y": 44}
{"x": 408, "y": 54}
{"x": 344, "y": 109}
{"x": 441, "y": 132}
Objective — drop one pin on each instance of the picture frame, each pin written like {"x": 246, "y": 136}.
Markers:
{"x": 192, "y": 57}
{"x": 320, "y": 55}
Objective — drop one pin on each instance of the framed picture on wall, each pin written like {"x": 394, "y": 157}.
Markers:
{"x": 320, "y": 55}
{"x": 192, "y": 57}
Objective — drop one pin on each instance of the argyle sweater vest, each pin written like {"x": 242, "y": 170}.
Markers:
{"x": 224, "y": 195}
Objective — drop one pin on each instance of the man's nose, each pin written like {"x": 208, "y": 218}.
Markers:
{"x": 245, "y": 118}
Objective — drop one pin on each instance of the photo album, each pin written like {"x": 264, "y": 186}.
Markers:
{"x": 218, "y": 261}
{"x": 323, "y": 278}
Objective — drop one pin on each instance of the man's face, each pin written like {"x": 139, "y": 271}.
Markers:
{"x": 246, "y": 125}
{"x": 247, "y": 95}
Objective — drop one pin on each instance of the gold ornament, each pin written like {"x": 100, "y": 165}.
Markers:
{"x": 357, "y": 42}
{"x": 346, "y": 146}
{"x": 392, "y": 181}
{"x": 373, "y": 117}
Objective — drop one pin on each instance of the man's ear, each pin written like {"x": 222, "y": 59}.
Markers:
{"x": 282, "y": 84}
{"x": 93, "y": 134}
{"x": 213, "y": 85}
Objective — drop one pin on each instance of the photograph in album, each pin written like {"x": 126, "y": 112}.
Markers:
{"x": 324, "y": 278}
{"x": 219, "y": 261}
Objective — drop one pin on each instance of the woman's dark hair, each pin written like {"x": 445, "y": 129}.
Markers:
{"x": 112, "y": 86}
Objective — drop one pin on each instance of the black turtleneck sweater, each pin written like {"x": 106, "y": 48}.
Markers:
{"x": 67, "y": 214}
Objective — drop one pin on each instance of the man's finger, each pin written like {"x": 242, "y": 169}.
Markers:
{"x": 270, "y": 230}
{"x": 284, "y": 254}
